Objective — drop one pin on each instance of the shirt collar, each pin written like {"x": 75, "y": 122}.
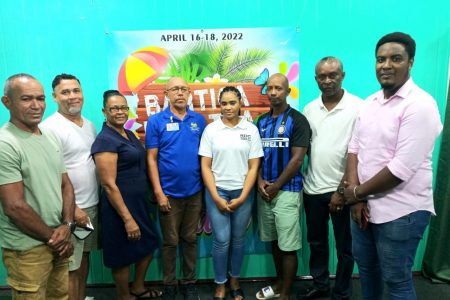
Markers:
{"x": 287, "y": 109}
{"x": 239, "y": 125}
{"x": 341, "y": 105}
{"x": 402, "y": 92}
{"x": 168, "y": 114}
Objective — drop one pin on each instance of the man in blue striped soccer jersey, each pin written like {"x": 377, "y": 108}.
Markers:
{"x": 285, "y": 135}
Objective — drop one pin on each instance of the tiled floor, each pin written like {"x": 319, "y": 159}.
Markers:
{"x": 425, "y": 290}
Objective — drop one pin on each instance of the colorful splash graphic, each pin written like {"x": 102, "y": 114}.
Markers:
{"x": 141, "y": 68}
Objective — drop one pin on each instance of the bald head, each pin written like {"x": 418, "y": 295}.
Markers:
{"x": 175, "y": 81}
{"x": 279, "y": 78}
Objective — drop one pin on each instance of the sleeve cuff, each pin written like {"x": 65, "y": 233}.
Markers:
{"x": 398, "y": 169}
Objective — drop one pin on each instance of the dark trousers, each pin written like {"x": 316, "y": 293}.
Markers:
{"x": 317, "y": 216}
{"x": 179, "y": 226}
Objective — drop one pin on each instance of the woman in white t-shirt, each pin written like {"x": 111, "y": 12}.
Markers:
{"x": 231, "y": 150}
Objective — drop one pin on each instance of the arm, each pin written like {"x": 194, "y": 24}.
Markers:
{"x": 68, "y": 198}
{"x": 381, "y": 182}
{"x": 292, "y": 168}
{"x": 22, "y": 214}
{"x": 153, "y": 174}
{"x": 418, "y": 128}
{"x": 208, "y": 180}
{"x": 262, "y": 185}
{"x": 249, "y": 182}
{"x": 337, "y": 200}
{"x": 81, "y": 218}
{"x": 106, "y": 163}
{"x": 351, "y": 180}
{"x": 60, "y": 239}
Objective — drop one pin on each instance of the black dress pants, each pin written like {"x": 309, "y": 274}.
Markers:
{"x": 317, "y": 216}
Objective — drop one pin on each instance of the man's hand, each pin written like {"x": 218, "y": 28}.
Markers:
{"x": 350, "y": 193}
{"x": 60, "y": 238}
{"x": 81, "y": 217}
{"x": 262, "y": 185}
{"x": 359, "y": 211}
{"x": 336, "y": 203}
{"x": 163, "y": 202}
{"x": 132, "y": 229}
{"x": 272, "y": 190}
{"x": 66, "y": 251}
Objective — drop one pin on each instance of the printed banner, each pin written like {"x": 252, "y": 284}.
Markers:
{"x": 141, "y": 62}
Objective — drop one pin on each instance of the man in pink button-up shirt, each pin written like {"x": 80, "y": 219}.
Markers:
{"x": 389, "y": 172}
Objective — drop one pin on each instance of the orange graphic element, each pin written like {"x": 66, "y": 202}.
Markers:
{"x": 141, "y": 68}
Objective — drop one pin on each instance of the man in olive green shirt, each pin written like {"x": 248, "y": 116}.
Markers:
{"x": 36, "y": 196}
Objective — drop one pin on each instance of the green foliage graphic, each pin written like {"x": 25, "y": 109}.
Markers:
{"x": 206, "y": 58}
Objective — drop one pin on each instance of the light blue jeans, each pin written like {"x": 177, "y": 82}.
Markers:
{"x": 385, "y": 254}
{"x": 229, "y": 231}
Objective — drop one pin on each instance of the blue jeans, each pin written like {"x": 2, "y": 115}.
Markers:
{"x": 229, "y": 232}
{"x": 385, "y": 253}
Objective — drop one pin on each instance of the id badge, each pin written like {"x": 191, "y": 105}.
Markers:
{"x": 172, "y": 127}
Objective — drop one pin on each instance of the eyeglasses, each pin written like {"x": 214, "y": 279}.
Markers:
{"x": 175, "y": 89}
{"x": 115, "y": 109}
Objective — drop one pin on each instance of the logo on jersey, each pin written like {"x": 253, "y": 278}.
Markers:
{"x": 275, "y": 142}
{"x": 194, "y": 126}
{"x": 281, "y": 129}
{"x": 246, "y": 137}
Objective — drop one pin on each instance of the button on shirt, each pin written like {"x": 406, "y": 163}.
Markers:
{"x": 331, "y": 133}
{"x": 399, "y": 133}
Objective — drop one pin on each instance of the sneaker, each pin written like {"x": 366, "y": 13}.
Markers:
{"x": 89, "y": 298}
{"x": 189, "y": 292}
{"x": 170, "y": 292}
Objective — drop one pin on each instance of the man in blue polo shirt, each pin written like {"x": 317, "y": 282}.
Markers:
{"x": 172, "y": 142}
{"x": 285, "y": 135}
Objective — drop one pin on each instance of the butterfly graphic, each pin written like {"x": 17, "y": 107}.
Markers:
{"x": 261, "y": 80}
{"x": 292, "y": 76}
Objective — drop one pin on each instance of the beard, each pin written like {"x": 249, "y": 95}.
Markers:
{"x": 74, "y": 110}
{"x": 387, "y": 85}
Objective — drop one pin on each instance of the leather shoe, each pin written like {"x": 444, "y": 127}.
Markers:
{"x": 312, "y": 293}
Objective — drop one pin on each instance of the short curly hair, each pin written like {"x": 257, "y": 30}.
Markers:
{"x": 401, "y": 38}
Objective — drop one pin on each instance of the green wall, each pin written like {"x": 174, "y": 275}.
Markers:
{"x": 45, "y": 38}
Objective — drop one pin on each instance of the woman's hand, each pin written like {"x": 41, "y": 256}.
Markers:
{"x": 132, "y": 229}
{"x": 81, "y": 218}
{"x": 235, "y": 203}
{"x": 222, "y": 205}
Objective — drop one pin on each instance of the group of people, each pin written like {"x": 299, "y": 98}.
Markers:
{"x": 369, "y": 169}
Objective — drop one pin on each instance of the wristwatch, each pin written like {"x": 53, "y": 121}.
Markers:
{"x": 70, "y": 224}
{"x": 340, "y": 190}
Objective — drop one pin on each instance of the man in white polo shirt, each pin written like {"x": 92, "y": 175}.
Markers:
{"x": 331, "y": 116}
{"x": 76, "y": 134}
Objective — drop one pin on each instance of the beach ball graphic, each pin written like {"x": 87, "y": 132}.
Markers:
{"x": 140, "y": 68}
